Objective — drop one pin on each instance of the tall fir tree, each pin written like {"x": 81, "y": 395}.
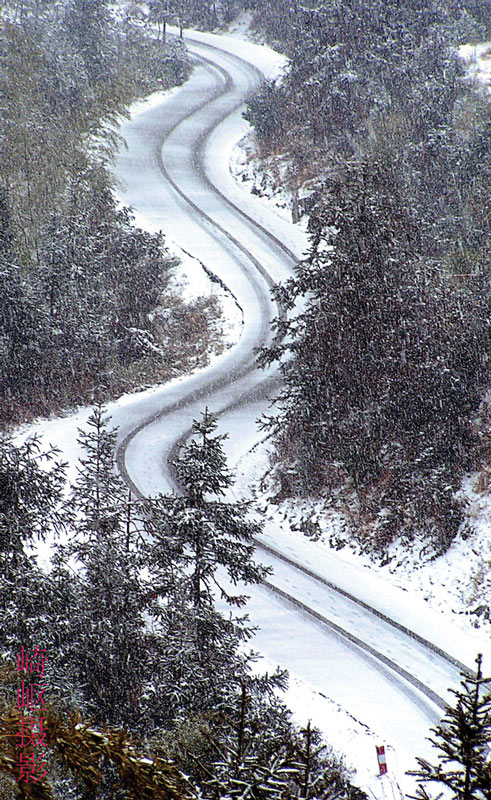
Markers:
{"x": 463, "y": 740}
{"x": 33, "y": 514}
{"x": 384, "y": 364}
{"x": 114, "y": 666}
{"x": 250, "y": 749}
{"x": 206, "y": 532}
{"x": 99, "y": 493}
{"x": 31, "y": 502}
{"x": 202, "y": 546}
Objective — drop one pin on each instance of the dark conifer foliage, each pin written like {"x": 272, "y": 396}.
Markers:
{"x": 32, "y": 507}
{"x": 207, "y": 532}
{"x": 114, "y": 665}
{"x": 87, "y": 24}
{"x": 387, "y": 363}
{"x": 77, "y": 280}
{"x": 462, "y": 740}
{"x": 31, "y": 499}
{"x": 134, "y": 639}
{"x": 248, "y": 748}
{"x": 207, "y": 544}
{"x": 199, "y": 14}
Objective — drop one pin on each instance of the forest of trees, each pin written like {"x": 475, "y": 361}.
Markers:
{"x": 200, "y": 14}
{"x": 462, "y": 740}
{"x": 386, "y": 366}
{"x": 151, "y": 690}
{"x": 132, "y": 637}
{"x": 77, "y": 279}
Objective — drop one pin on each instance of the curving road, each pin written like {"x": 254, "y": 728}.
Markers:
{"x": 390, "y": 681}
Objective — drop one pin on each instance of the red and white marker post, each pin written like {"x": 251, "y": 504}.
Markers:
{"x": 382, "y": 761}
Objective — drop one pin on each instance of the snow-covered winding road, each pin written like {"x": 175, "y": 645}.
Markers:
{"x": 356, "y": 672}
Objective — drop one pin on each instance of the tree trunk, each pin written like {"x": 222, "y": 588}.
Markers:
{"x": 240, "y": 737}
{"x": 308, "y": 760}
{"x": 468, "y": 761}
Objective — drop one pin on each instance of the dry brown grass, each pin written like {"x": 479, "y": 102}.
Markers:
{"x": 186, "y": 334}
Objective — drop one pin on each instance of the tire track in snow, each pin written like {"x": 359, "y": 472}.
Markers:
{"x": 250, "y": 365}
{"x": 265, "y": 386}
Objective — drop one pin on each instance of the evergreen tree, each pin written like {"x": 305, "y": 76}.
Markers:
{"x": 200, "y": 544}
{"x": 114, "y": 666}
{"x": 33, "y": 602}
{"x": 77, "y": 280}
{"x": 99, "y": 493}
{"x": 132, "y": 639}
{"x": 463, "y": 740}
{"x": 386, "y": 363}
{"x": 204, "y": 531}
{"x": 31, "y": 502}
{"x": 88, "y": 24}
{"x": 249, "y": 748}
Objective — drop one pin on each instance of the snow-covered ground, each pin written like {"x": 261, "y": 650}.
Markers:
{"x": 250, "y": 172}
{"x": 454, "y": 584}
{"x": 361, "y": 707}
{"x": 457, "y": 583}
{"x": 477, "y": 57}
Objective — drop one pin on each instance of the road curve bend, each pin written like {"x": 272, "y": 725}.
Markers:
{"x": 174, "y": 175}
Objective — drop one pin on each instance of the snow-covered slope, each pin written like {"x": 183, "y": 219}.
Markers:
{"x": 360, "y": 678}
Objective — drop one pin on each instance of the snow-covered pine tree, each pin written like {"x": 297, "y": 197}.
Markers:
{"x": 321, "y": 774}
{"x": 248, "y": 753}
{"x": 249, "y": 748}
{"x": 33, "y": 603}
{"x": 99, "y": 494}
{"x": 31, "y": 503}
{"x": 462, "y": 739}
{"x": 385, "y": 364}
{"x": 207, "y": 532}
{"x": 114, "y": 664}
{"x": 88, "y": 23}
{"x": 201, "y": 544}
